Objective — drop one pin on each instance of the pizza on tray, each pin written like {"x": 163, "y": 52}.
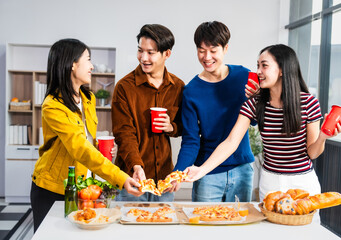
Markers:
{"x": 217, "y": 213}
{"x": 160, "y": 215}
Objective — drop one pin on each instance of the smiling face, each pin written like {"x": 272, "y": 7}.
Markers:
{"x": 151, "y": 60}
{"x": 269, "y": 73}
{"x": 211, "y": 57}
{"x": 81, "y": 70}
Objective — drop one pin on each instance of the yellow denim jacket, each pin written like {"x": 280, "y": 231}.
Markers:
{"x": 65, "y": 145}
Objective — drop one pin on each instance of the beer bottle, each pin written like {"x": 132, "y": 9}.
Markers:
{"x": 71, "y": 198}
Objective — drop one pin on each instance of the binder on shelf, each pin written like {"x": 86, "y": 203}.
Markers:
{"x": 41, "y": 137}
{"x": 24, "y": 135}
{"x": 20, "y": 131}
{"x": 15, "y": 134}
{"x": 11, "y": 134}
{"x": 29, "y": 134}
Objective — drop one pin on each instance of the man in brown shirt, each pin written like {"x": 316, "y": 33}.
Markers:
{"x": 141, "y": 153}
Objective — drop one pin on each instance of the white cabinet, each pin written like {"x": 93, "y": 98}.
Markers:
{"x": 25, "y": 79}
{"x": 18, "y": 180}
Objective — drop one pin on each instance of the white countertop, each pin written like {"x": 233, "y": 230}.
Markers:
{"x": 55, "y": 226}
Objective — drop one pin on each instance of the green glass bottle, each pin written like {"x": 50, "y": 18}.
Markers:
{"x": 71, "y": 197}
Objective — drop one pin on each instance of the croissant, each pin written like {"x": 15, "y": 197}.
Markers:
{"x": 297, "y": 193}
{"x": 287, "y": 205}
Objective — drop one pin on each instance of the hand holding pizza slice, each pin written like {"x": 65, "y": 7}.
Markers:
{"x": 148, "y": 185}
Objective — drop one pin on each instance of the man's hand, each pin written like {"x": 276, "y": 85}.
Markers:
{"x": 175, "y": 188}
{"x": 138, "y": 173}
{"x": 163, "y": 123}
{"x": 131, "y": 186}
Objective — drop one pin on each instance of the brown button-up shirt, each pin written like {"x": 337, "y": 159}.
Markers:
{"x": 131, "y": 120}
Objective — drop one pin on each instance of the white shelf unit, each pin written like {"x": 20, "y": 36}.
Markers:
{"x": 26, "y": 64}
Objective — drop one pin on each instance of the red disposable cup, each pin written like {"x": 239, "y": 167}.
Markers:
{"x": 155, "y": 112}
{"x": 254, "y": 77}
{"x": 105, "y": 144}
{"x": 333, "y": 117}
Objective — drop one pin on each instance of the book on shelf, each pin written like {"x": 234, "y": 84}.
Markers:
{"x": 40, "y": 90}
{"x": 20, "y": 134}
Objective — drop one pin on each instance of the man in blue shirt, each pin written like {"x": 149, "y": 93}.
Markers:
{"x": 210, "y": 107}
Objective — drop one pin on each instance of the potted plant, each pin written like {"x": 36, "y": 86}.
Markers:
{"x": 102, "y": 95}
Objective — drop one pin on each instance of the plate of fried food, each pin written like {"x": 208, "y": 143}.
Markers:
{"x": 93, "y": 219}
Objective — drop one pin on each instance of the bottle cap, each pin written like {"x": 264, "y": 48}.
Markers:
{"x": 72, "y": 167}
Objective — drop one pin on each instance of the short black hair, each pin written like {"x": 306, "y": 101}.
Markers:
{"x": 160, "y": 34}
{"x": 212, "y": 33}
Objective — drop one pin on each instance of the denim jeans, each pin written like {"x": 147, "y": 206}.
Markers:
{"x": 222, "y": 187}
{"x": 146, "y": 197}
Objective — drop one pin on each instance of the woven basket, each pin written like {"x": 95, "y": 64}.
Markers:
{"x": 287, "y": 219}
{"x": 20, "y": 105}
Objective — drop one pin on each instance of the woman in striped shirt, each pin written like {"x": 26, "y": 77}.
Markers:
{"x": 288, "y": 118}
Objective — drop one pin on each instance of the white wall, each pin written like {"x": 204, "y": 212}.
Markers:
{"x": 111, "y": 23}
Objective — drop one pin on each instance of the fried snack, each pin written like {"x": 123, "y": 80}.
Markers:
{"x": 148, "y": 185}
{"x": 85, "y": 215}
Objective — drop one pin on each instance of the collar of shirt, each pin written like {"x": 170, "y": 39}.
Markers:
{"x": 141, "y": 77}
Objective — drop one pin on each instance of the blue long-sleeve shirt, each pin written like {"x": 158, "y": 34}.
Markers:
{"x": 209, "y": 112}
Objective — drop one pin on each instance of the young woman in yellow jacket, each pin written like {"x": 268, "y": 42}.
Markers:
{"x": 69, "y": 124}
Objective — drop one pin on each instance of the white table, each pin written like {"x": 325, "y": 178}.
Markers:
{"x": 55, "y": 226}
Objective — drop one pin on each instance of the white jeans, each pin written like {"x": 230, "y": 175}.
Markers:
{"x": 277, "y": 182}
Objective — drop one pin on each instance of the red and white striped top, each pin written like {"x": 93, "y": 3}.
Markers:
{"x": 282, "y": 154}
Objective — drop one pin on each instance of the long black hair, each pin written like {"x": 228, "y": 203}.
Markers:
{"x": 292, "y": 84}
{"x": 61, "y": 57}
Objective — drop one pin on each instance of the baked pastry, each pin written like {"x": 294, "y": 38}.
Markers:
{"x": 285, "y": 206}
{"x": 297, "y": 193}
{"x": 271, "y": 199}
{"x": 283, "y": 203}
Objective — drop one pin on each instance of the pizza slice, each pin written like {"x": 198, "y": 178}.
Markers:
{"x": 165, "y": 211}
{"x": 145, "y": 217}
{"x": 148, "y": 185}
{"x": 162, "y": 185}
{"x": 177, "y": 176}
{"x": 135, "y": 212}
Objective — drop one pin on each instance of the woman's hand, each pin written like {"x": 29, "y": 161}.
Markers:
{"x": 337, "y": 130}
{"x": 131, "y": 186}
{"x": 163, "y": 123}
{"x": 249, "y": 91}
{"x": 113, "y": 152}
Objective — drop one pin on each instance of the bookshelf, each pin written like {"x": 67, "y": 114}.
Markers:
{"x": 26, "y": 66}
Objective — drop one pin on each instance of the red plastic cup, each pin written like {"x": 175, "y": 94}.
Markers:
{"x": 333, "y": 117}
{"x": 155, "y": 112}
{"x": 105, "y": 144}
{"x": 254, "y": 77}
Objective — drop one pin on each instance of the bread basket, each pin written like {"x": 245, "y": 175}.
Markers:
{"x": 287, "y": 219}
